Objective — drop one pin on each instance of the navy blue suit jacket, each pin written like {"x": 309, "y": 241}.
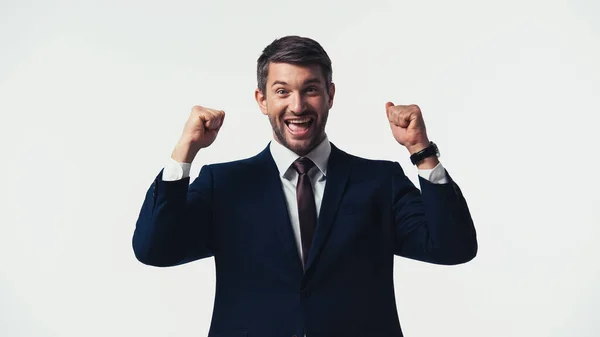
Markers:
{"x": 236, "y": 212}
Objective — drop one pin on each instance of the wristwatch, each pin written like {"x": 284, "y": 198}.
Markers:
{"x": 431, "y": 150}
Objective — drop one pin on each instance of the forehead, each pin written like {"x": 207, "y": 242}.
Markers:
{"x": 287, "y": 72}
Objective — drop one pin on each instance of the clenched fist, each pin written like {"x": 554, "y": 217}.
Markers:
{"x": 407, "y": 126}
{"x": 200, "y": 131}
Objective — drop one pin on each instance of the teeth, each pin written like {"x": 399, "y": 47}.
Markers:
{"x": 298, "y": 121}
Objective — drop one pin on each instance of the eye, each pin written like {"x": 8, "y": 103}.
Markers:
{"x": 312, "y": 89}
{"x": 280, "y": 91}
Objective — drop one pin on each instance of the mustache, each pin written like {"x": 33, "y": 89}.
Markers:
{"x": 307, "y": 113}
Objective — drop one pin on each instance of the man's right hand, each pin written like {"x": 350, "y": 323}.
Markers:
{"x": 199, "y": 132}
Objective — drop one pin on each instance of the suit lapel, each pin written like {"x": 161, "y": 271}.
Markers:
{"x": 338, "y": 171}
{"x": 276, "y": 211}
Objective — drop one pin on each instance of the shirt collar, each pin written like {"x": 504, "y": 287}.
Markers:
{"x": 284, "y": 157}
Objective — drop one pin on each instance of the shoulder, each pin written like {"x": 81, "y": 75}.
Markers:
{"x": 371, "y": 166}
{"x": 231, "y": 166}
{"x": 238, "y": 167}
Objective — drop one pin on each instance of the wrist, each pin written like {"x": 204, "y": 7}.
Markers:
{"x": 184, "y": 152}
{"x": 412, "y": 149}
{"x": 425, "y": 156}
{"x": 428, "y": 163}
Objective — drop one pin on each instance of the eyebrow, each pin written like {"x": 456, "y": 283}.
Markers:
{"x": 311, "y": 81}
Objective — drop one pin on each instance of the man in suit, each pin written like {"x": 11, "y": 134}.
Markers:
{"x": 303, "y": 234}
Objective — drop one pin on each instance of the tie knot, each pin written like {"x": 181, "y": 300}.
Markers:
{"x": 302, "y": 165}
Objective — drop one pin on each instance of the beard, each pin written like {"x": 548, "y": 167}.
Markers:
{"x": 300, "y": 147}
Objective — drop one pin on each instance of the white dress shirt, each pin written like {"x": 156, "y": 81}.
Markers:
{"x": 284, "y": 158}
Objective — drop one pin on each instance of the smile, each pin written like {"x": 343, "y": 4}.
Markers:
{"x": 299, "y": 126}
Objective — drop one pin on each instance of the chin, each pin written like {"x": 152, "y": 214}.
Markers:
{"x": 300, "y": 149}
{"x": 302, "y": 146}
{"x": 299, "y": 142}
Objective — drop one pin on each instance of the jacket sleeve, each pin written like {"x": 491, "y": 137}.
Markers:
{"x": 432, "y": 225}
{"x": 175, "y": 221}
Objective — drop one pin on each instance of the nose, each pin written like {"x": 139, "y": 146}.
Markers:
{"x": 297, "y": 104}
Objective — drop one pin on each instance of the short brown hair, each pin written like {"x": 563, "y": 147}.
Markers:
{"x": 294, "y": 50}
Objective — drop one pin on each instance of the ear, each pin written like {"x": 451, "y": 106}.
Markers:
{"x": 331, "y": 94}
{"x": 261, "y": 99}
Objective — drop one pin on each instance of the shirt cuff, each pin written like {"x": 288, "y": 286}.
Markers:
{"x": 436, "y": 175}
{"x": 175, "y": 170}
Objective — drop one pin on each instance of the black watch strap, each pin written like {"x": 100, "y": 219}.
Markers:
{"x": 431, "y": 150}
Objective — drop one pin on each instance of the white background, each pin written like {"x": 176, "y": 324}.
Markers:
{"x": 94, "y": 95}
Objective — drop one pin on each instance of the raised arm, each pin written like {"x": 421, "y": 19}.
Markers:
{"x": 434, "y": 224}
{"x": 175, "y": 222}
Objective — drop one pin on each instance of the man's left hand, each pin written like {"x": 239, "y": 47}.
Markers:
{"x": 408, "y": 126}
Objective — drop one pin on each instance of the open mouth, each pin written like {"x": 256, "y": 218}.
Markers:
{"x": 299, "y": 126}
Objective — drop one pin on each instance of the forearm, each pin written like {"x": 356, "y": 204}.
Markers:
{"x": 156, "y": 233}
{"x": 452, "y": 235}
{"x": 433, "y": 224}
{"x": 173, "y": 226}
